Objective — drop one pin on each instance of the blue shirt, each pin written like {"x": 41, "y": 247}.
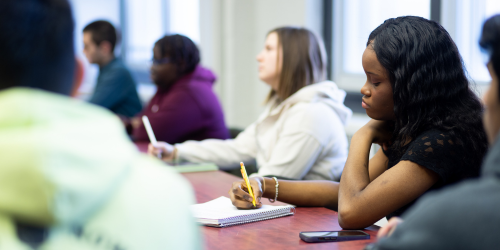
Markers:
{"x": 116, "y": 90}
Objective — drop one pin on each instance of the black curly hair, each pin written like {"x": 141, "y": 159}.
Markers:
{"x": 181, "y": 50}
{"x": 429, "y": 82}
{"x": 490, "y": 42}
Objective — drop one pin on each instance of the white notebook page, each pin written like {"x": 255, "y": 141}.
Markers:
{"x": 222, "y": 207}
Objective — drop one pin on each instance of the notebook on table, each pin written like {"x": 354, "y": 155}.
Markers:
{"x": 221, "y": 213}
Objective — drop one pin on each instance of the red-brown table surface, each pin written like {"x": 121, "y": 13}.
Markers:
{"x": 279, "y": 233}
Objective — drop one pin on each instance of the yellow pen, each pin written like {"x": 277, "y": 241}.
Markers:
{"x": 245, "y": 177}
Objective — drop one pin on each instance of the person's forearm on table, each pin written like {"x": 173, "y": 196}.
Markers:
{"x": 355, "y": 177}
{"x": 303, "y": 193}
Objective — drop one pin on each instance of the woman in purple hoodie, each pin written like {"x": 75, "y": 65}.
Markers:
{"x": 184, "y": 106}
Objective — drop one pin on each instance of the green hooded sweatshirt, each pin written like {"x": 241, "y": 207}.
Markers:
{"x": 70, "y": 167}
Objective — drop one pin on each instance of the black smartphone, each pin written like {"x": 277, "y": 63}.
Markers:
{"x": 326, "y": 236}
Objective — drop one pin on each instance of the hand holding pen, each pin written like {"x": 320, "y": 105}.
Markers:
{"x": 240, "y": 194}
{"x": 162, "y": 150}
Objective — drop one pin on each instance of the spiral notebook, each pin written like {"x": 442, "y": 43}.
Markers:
{"x": 221, "y": 213}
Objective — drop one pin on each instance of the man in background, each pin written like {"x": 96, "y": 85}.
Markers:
{"x": 115, "y": 88}
{"x": 69, "y": 177}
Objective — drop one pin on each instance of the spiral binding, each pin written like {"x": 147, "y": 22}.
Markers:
{"x": 256, "y": 217}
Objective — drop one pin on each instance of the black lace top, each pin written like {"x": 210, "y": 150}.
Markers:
{"x": 439, "y": 152}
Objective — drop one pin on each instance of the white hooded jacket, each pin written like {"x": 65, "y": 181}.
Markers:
{"x": 302, "y": 137}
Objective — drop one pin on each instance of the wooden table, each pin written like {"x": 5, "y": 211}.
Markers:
{"x": 279, "y": 233}
{"x": 276, "y": 234}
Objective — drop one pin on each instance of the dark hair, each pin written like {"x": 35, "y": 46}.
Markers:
{"x": 429, "y": 83}
{"x": 490, "y": 42}
{"x": 304, "y": 60}
{"x": 36, "y": 45}
{"x": 181, "y": 51}
{"x": 102, "y": 31}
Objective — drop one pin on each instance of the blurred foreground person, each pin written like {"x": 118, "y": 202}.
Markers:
{"x": 464, "y": 216}
{"x": 184, "y": 106}
{"x": 115, "y": 88}
{"x": 60, "y": 186}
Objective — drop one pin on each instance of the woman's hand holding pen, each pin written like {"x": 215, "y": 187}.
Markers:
{"x": 164, "y": 149}
{"x": 241, "y": 198}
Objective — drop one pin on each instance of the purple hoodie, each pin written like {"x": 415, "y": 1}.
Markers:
{"x": 189, "y": 110}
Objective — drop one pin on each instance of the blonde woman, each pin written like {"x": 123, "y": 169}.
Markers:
{"x": 300, "y": 135}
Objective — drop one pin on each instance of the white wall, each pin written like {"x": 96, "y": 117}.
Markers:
{"x": 232, "y": 33}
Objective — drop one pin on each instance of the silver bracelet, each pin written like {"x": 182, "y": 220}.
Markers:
{"x": 276, "y": 196}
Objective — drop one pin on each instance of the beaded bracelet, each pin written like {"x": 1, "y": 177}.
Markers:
{"x": 276, "y": 196}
